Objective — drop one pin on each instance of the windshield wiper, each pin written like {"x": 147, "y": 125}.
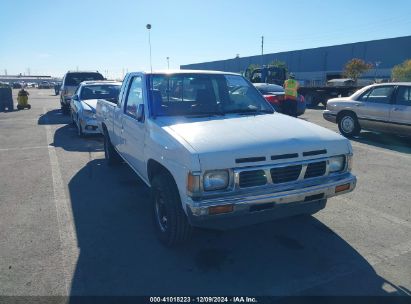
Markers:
{"x": 204, "y": 114}
{"x": 249, "y": 111}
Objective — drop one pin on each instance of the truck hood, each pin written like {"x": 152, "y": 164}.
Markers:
{"x": 220, "y": 142}
{"x": 90, "y": 104}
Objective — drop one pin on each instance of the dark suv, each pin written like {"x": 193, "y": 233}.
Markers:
{"x": 70, "y": 83}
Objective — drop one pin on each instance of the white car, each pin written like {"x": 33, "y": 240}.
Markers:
{"x": 216, "y": 155}
{"x": 84, "y": 100}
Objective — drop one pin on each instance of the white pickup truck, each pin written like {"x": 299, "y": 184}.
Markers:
{"x": 216, "y": 155}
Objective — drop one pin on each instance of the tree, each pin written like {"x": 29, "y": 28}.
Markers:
{"x": 402, "y": 72}
{"x": 279, "y": 64}
{"x": 355, "y": 68}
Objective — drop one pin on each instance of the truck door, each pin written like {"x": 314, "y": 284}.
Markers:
{"x": 400, "y": 116}
{"x": 132, "y": 133}
{"x": 117, "y": 138}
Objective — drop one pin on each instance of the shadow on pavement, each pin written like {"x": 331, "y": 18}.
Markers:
{"x": 387, "y": 141}
{"x": 54, "y": 117}
{"x": 66, "y": 137}
{"x": 119, "y": 254}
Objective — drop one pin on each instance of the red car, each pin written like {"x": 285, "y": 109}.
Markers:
{"x": 274, "y": 94}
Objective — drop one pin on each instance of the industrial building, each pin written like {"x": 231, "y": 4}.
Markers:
{"x": 318, "y": 65}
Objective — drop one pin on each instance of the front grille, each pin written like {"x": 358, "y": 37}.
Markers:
{"x": 285, "y": 174}
{"x": 315, "y": 169}
{"x": 252, "y": 178}
{"x": 281, "y": 174}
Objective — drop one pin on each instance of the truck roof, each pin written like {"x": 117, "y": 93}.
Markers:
{"x": 189, "y": 72}
{"x": 101, "y": 82}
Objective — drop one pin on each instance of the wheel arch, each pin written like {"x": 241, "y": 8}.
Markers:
{"x": 154, "y": 167}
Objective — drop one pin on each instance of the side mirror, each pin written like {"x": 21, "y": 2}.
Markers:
{"x": 140, "y": 113}
{"x": 75, "y": 97}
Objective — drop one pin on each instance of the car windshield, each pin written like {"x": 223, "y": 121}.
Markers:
{"x": 74, "y": 79}
{"x": 103, "y": 91}
{"x": 204, "y": 94}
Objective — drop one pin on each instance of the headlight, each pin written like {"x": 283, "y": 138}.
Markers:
{"x": 215, "y": 180}
{"x": 337, "y": 163}
{"x": 89, "y": 114}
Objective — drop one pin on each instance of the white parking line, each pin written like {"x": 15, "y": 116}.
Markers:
{"x": 380, "y": 150}
{"x": 68, "y": 238}
{"x": 24, "y": 148}
{"x": 375, "y": 212}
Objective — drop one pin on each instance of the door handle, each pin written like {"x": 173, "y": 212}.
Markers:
{"x": 396, "y": 109}
{"x": 358, "y": 105}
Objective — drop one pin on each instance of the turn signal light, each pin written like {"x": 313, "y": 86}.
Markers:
{"x": 341, "y": 188}
{"x": 220, "y": 209}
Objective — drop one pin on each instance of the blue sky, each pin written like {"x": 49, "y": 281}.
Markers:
{"x": 51, "y": 36}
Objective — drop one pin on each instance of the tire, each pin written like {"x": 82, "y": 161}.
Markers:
{"x": 311, "y": 99}
{"x": 80, "y": 132}
{"x": 73, "y": 121}
{"x": 110, "y": 152}
{"x": 348, "y": 125}
{"x": 170, "y": 221}
{"x": 19, "y": 107}
{"x": 28, "y": 106}
{"x": 65, "y": 110}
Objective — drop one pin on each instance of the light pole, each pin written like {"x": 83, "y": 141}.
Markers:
{"x": 377, "y": 63}
{"x": 168, "y": 62}
{"x": 148, "y": 27}
{"x": 262, "y": 51}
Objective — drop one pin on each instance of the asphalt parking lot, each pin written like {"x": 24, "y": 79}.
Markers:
{"x": 70, "y": 225}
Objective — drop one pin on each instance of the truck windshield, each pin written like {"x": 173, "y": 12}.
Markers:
{"x": 202, "y": 94}
{"x": 74, "y": 79}
{"x": 103, "y": 91}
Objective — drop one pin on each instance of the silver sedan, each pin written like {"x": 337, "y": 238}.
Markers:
{"x": 383, "y": 108}
{"x": 83, "y": 103}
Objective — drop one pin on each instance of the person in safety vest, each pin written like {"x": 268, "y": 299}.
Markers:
{"x": 290, "y": 96}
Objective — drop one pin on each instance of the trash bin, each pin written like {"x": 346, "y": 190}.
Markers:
{"x": 6, "y": 99}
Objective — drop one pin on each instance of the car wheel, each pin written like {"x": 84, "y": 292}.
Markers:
{"x": 65, "y": 109}
{"x": 348, "y": 125}
{"x": 311, "y": 99}
{"x": 73, "y": 121}
{"x": 80, "y": 132}
{"x": 170, "y": 221}
{"x": 110, "y": 152}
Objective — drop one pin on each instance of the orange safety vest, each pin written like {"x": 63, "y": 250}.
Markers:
{"x": 290, "y": 89}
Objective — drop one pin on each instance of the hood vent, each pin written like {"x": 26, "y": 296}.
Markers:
{"x": 315, "y": 152}
{"x": 249, "y": 160}
{"x": 284, "y": 156}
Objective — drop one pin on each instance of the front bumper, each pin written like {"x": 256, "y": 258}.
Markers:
{"x": 328, "y": 115}
{"x": 267, "y": 204}
{"x": 89, "y": 126}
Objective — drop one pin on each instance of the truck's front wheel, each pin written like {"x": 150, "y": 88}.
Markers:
{"x": 170, "y": 221}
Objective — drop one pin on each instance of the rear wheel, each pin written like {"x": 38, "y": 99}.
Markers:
{"x": 348, "y": 125}
{"x": 65, "y": 109}
{"x": 110, "y": 152}
{"x": 170, "y": 221}
{"x": 311, "y": 99}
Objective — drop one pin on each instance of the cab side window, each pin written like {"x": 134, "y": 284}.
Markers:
{"x": 134, "y": 96}
{"x": 378, "y": 95}
{"x": 404, "y": 96}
